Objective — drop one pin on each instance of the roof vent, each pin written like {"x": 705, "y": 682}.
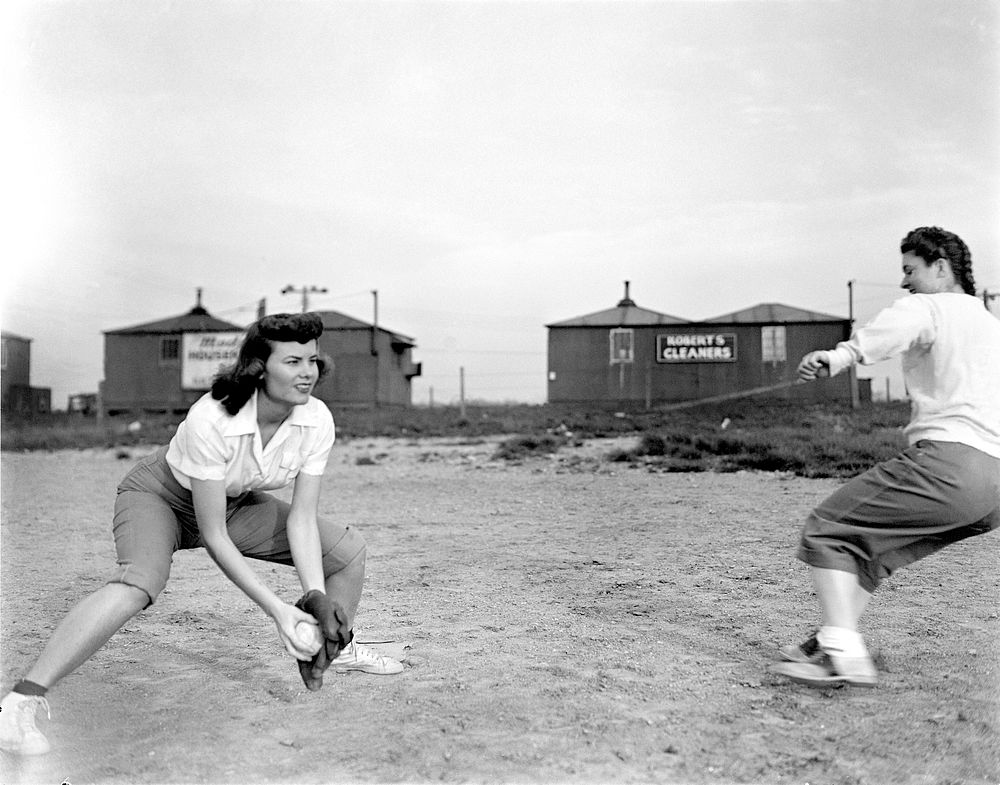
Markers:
{"x": 626, "y": 302}
{"x": 198, "y": 310}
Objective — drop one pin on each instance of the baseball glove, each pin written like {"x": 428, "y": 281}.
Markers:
{"x": 336, "y": 634}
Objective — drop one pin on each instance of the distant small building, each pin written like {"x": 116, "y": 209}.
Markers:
{"x": 372, "y": 366}
{"x": 629, "y": 356}
{"x": 85, "y": 404}
{"x": 992, "y": 302}
{"x": 19, "y": 398}
{"x": 162, "y": 367}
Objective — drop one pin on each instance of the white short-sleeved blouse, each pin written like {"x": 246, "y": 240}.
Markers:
{"x": 211, "y": 444}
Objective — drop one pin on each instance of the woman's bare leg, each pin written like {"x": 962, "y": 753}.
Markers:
{"x": 84, "y": 630}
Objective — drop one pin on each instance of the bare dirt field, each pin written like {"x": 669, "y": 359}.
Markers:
{"x": 562, "y": 620}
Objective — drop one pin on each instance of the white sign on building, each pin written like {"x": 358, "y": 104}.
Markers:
{"x": 202, "y": 354}
{"x": 696, "y": 348}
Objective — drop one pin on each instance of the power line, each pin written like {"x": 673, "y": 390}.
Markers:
{"x": 474, "y": 375}
{"x": 478, "y": 351}
{"x": 350, "y": 295}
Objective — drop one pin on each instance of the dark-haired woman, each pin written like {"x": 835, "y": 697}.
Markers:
{"x": 943, "y": 488}
{"x": 259, "y": 429}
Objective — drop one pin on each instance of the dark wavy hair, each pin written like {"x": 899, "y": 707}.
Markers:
{"x": 931, "y": 243}
{"x": 235, "y": 385}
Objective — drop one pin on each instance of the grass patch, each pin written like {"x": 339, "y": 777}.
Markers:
{"x": 808, "y": 448}
{"x": 810, "y": 440}
{"x": 61, "y": 431}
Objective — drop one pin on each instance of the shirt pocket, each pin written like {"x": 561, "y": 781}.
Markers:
{"x": 291, "y": 462}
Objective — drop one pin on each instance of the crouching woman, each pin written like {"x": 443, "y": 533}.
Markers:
{"x": 259, "y": 429}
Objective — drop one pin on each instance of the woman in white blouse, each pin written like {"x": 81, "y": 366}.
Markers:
{"x": 258, "y": 429}
{"x": 943, "y": 488}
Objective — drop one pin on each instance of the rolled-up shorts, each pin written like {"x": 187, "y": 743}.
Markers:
{"x": 932, "y": 495}
{"x": 154, "y": 517}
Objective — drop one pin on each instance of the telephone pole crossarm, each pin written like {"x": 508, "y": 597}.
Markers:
{"x": 305, "y": 291}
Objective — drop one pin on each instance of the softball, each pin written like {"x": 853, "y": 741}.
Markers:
{"x": 309, "y": 635}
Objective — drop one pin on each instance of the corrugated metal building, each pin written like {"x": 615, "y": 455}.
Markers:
{"x": 372, "y": 365}
{"x": 18, "y": 397}
{"x": 631, "y": 356}
{"x": 162, "y": 367}
{"x": 602, "y": 357}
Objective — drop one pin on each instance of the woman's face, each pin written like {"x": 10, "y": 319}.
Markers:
{"x": 921, "y": 277}
{"x": 291, "y": 372}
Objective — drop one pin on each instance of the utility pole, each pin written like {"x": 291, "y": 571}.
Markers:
{"x": 374, "y": 350}
{"x": 374, "y": 345}
{"x": 305, "y": 290}
{"x": 852, "y": 371}
{"x": 461, "y": 391}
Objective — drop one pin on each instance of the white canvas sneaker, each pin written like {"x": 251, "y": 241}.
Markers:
{"x": 830, "y": 669}
{"x": 807, "y": 651}
{"x": 355, "y": 657}
{"x": 18, "y": 732}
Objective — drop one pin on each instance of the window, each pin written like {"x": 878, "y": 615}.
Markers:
{"x": 622, "y": 340}
{"x": 170, "y": 351}
{"x": 772, "y": 343}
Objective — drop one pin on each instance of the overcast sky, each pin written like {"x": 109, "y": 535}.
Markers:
{"x": 487, "y": 167}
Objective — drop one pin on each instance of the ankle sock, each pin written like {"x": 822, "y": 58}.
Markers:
{"x": 25, "y": 687}
{"x": 845, "y": 642}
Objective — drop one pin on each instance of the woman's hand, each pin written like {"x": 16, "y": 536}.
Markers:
{"x": 813, "y": 365}
{"x": 336, "y": 635}
{"x": 285, "y": 618}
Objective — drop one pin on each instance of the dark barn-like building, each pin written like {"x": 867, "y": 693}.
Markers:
{"x": 602, "y": 357}
{"x": 19, "y": 398}
{"x": 163, "y": 367}
{"x": 629, "y": 356}
{"x": 770, "y": 339}
{"x": 372, "y": 365}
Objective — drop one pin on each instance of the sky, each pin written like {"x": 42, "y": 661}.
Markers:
{"x": 487, "y": 168}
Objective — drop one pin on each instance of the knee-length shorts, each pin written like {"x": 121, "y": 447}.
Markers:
{"x": 932, "y": 495}
{"x": 154, "y": 517}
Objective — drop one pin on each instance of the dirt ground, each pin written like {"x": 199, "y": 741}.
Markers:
{"x": 563, "y": 620}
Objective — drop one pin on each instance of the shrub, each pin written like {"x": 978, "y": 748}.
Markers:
{"x": 520, "y": 447}
{"x": 652, "y": 444}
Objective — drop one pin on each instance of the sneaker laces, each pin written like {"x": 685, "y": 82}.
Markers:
{"x": 364, "y": 653}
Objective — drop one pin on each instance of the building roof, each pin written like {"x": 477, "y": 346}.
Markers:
{"x": 774, "y": 313}
{"x": 197, "y": 320}
{"x": 624, "y": 316}
{"x": 334, "y": 320}
{"x": 14, "y": 336}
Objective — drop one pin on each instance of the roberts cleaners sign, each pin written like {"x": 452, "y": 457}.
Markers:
{"x": 696, "y": 348}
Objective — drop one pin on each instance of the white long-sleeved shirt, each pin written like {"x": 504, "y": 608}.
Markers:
{"x": 950, "y": 350}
